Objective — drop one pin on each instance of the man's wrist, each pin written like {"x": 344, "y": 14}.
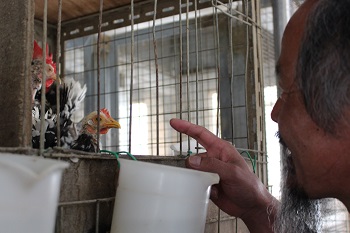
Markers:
{"x": 261, "y": 219}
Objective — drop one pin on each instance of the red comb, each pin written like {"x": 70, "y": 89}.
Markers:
{"x": 38, "y": 53}
{"x": 105, "y": 111}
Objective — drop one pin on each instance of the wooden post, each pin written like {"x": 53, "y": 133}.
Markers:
{"x": 16, "y": 44}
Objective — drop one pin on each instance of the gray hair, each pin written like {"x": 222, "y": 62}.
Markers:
{"x": 323, "y": 69}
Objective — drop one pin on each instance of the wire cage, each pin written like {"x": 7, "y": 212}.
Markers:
{"x": 152, "y": 61}
{"x": 171, "y": 64}
{"x": 148, "y": 62}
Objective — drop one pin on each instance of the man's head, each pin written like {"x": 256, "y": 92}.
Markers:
{"x": 313, "y": 111}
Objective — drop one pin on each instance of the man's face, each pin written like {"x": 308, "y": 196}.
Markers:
{"x": 309, "y": 147}
{"x": 304, "y": 161}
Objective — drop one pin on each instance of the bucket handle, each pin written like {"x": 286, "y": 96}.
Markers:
{"x": 212, "y": 178}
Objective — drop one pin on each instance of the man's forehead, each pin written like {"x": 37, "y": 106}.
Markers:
{"x": 286, "y": 64}
{"x": 296, "y": 25}
{"x": 282, "y": 78}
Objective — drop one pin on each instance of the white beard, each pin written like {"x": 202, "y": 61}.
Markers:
{"x": 297, "y": 213}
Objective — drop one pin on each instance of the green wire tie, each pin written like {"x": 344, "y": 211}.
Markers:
{"x": 251, "y": 159}
{"x": 116, "y": 154}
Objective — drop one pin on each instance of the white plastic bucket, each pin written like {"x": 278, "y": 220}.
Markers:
{"x": 29, "y": 193}
{"x": 153, "y": 198}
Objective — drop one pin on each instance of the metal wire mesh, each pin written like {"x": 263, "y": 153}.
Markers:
{"x": 189, "y": 80}
{"x": 140, "y": 67}
{"x": 199, "y": 61}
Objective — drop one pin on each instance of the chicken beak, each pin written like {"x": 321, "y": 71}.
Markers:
{"x": 112, "y": 124}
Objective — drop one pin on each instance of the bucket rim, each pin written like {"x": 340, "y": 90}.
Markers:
{"x": 25, "y": 170}
{"x": 214, "y": 176}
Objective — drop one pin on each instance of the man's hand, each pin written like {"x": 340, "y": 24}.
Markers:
{"x": 239, "y": 193}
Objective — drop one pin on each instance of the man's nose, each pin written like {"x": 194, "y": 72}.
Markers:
{"x": 276, "y": 110}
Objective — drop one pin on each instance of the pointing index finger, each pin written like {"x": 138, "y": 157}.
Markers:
{"x": 207, "y": 139}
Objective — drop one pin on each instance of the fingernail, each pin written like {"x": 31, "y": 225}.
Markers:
{"x": 195, "y": 161}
